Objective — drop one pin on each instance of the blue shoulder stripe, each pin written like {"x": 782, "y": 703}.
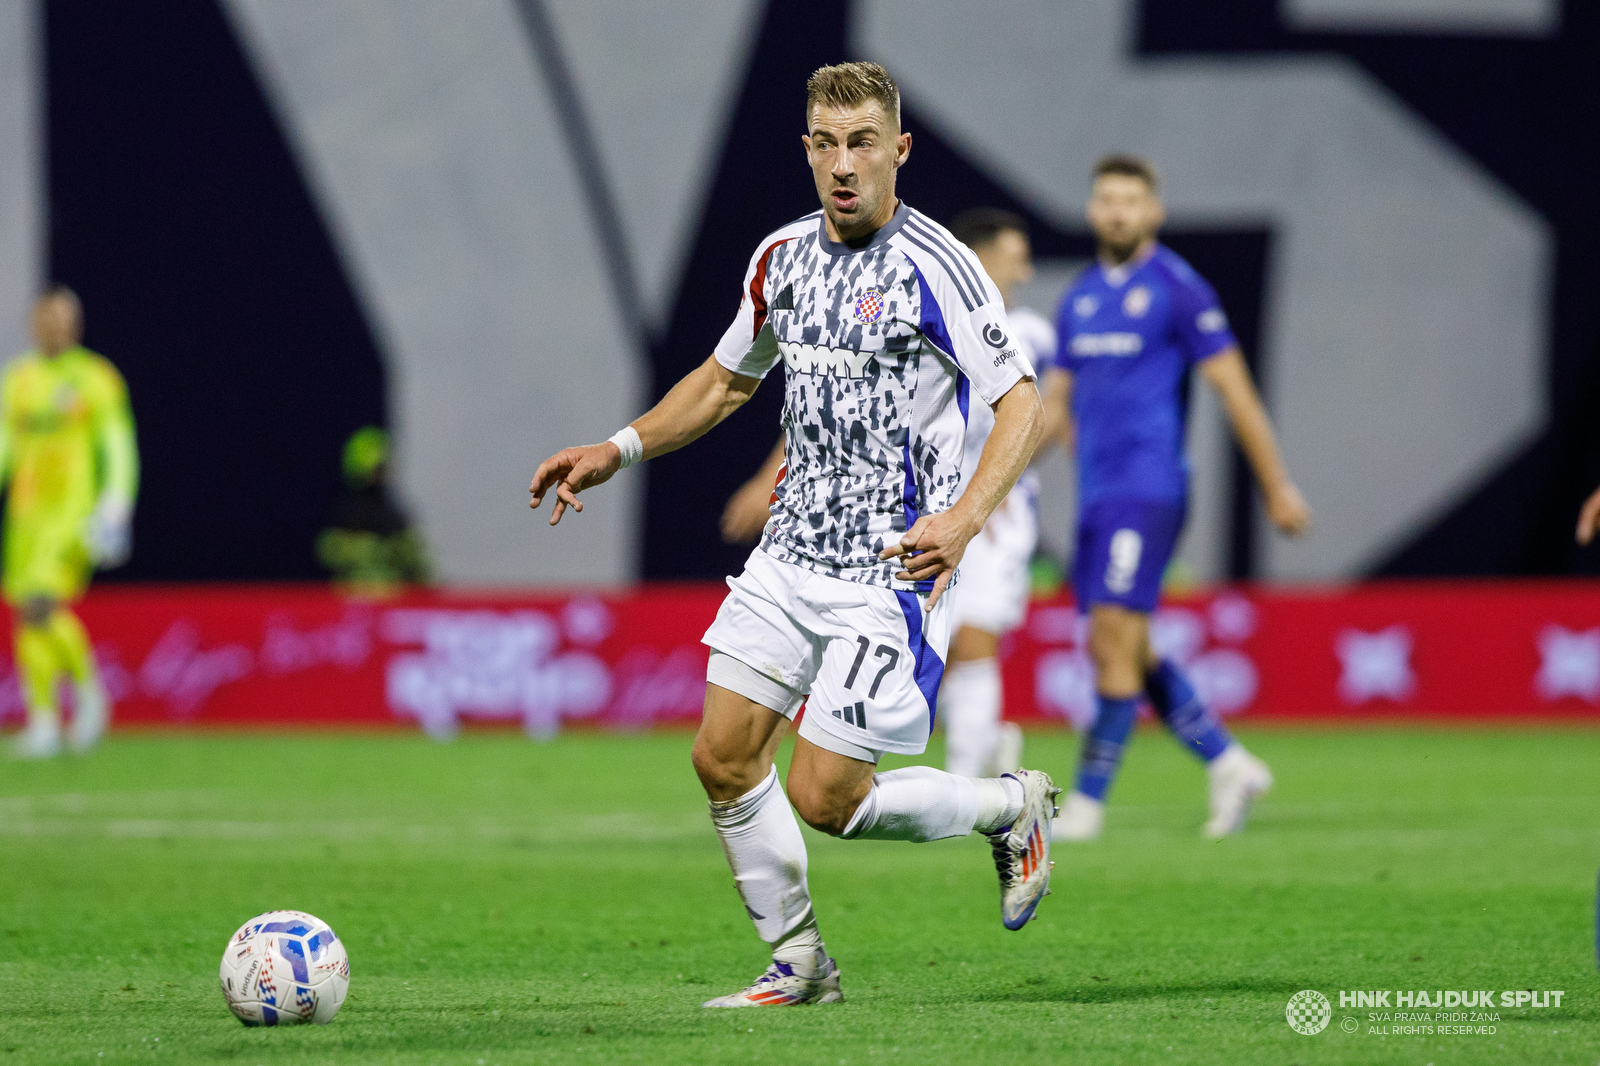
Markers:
{"x": 932, "y": 324}
{"x": 955, "y": 279}
{"x": 956, "y": 252}
{"x": 970, "y": 289}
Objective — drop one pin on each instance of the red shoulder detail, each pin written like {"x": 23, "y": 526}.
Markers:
{"x": 758, "y": 285}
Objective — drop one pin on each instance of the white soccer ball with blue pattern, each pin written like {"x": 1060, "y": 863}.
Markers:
{"x": 285, "y": 968}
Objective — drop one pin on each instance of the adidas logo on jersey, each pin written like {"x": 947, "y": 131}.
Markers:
{"x": 820, "y": 359}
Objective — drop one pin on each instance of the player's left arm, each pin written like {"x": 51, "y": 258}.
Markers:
{"x": 985, "y": 349}
{"x": 934, "y": 545}
{"x": 1229, "y": 374}
{"x": 748, "y": 509}
{"x": 1057, "y": 397}
{"x": 117, "y": 445}
{"x": 7, "y": 418}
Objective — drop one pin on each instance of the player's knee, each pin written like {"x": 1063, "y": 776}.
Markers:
{"x": 1111, "y": 648}
{"x": 723, "y": 774}
{"x": 36, "y": 611}
{"x": 1116, "y": 643}
{"x": 822, "y": 810}
{"x": 714, "y": 773}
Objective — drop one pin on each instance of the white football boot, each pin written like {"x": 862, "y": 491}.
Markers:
{"x": 1237, "y": 778}
{"x": 780, "y": 986}
{"x": 40, "y": 740}
{"x": 91, "y": 713}
{"x": 1007, "y": 757}
{"x": 1022, "y": 849}
{"x": 1081, "y": 818}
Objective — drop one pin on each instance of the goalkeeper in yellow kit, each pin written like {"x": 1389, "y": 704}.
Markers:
{"x": 70, "y": 466}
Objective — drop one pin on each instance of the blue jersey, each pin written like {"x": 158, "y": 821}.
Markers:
{"x": 1128, "y": 335}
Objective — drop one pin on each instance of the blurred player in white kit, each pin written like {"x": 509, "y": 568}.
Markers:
{"x": 993, "y": 596}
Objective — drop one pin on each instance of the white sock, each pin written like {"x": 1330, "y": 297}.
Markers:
{"x": 920, "y": 803}
{"x": 803, "y": 950}
{"x": 762, "y": 841}
{"x": 969, "y": 703}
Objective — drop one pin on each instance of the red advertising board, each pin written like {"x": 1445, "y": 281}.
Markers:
{"x": 272, "y": 656}
{"x": 302, "y": 655}
{"x": 1403, "y": 649}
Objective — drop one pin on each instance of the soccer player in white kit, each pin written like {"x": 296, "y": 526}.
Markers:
{"x": 889, "y": 333}
{"x": 994, "y": 572}
{"x": 995, "y": 581}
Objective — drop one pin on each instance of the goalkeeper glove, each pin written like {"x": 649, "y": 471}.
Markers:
{"x": 110, "y": 532}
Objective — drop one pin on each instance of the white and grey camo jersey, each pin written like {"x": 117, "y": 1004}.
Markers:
{"x": 883, "y": 343}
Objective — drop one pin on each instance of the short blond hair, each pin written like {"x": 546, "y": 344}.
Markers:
{"x": 851, "y": 84}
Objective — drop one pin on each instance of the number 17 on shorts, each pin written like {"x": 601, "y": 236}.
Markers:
{"x": 869, "y": 657}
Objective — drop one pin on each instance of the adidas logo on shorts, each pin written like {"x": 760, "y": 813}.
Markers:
{"x": 856, "y": 715}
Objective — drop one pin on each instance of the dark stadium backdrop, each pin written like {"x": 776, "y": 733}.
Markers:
{"x": 250, "y": 360}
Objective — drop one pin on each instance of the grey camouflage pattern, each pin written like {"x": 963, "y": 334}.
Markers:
{"x": 850, "y": 392}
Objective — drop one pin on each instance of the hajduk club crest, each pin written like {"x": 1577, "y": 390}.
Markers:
{"x": 869, "y": 306}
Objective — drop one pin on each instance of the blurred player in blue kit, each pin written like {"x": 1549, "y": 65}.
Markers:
{"x": 1131, "y": 329}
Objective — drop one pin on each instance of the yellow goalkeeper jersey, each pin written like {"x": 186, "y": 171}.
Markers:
{"x": 66, "y": 442}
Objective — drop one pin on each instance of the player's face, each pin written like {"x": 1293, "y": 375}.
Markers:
{"x": 56, "y": 325}
{"x": 1008, "y": 260}
{"x": 854, "y": 153}
{"x": 1124, "y": 213}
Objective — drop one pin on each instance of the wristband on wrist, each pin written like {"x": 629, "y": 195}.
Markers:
{"x": 628, "y": 443}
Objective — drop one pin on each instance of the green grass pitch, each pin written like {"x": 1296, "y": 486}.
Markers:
{"x": 510, "y": 902}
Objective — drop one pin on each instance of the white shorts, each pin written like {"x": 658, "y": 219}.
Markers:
{"x": 993, "y": 587}
{"x": 869, "y": 658}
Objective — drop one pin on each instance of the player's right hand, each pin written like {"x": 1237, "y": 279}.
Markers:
{"x": 570, "y": 471}
{"x": 109, "y": 533}
{"x": 1589, "y": 518}
{"x": 1288, "y": 510}
{"x": 931, "y": 550}
{"x": 747, "y": 512}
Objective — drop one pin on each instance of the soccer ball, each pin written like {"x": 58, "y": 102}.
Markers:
{"x": 284, "y": 968}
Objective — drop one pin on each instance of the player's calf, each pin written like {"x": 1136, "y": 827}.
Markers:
{"x": 1181, "y": 710}
{"x": 1103, "y": 745}
{"x": 91, "y": 714}
{"x": 920, "y": 803}
{"x": 969, "y": 704}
